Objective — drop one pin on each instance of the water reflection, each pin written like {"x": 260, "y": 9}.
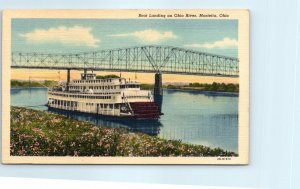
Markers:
{"x": 150, "y": 127}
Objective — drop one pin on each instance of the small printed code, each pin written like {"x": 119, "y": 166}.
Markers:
{"x": 223, "y": 158}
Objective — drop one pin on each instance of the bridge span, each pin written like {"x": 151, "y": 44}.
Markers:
{"x": 147, "y": 59}
{"x": 152, "y": 59}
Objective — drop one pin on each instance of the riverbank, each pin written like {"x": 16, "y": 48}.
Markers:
{"x": 211, "y": 93}
{"x": 32, "y": 84}
{"x": 39, "y": 133}
{"x": 214, "y": 87}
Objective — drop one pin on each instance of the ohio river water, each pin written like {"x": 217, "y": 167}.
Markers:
{"x": 205, "y": 118}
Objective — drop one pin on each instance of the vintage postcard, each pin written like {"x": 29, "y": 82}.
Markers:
{"x": 125, "y": 87}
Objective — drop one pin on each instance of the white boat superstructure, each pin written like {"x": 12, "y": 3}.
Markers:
{"x": 111, "y": 97}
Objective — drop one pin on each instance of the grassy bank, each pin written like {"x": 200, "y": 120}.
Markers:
{"x": 39, "y": 133}
{"x": 46, "y": 83}
{"x": 215, "y": 87}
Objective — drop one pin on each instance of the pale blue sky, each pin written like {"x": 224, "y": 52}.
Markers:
{"x": 77, "y": 35}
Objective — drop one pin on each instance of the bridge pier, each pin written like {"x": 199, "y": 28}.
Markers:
{"x": 158, "y": 91}
{"x": 68, "y": 78}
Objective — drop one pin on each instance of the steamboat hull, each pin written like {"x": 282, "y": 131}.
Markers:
{"x": 140, "y": 111}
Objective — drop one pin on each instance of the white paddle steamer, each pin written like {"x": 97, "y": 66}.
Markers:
{"x": 109, "y": 97}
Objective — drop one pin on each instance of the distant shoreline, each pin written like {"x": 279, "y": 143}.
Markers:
{"x": 189, "y": 90}
{"x": 32, "y": 84}
{"x": 221, "y": 88}
{"x": 196, "y": 90}
{"x": 28, "y": 87}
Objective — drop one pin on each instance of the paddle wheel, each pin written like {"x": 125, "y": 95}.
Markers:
{"x": 145, "y": 110}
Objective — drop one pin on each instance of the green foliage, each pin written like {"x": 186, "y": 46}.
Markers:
{"x": 106, "y": 76}
{"x": 217, "y": 87}
{"x": 147, "y": 86}
{"x": 39, "y": 133}
{"x": 46, "y": 83}
{"x": 173, "y": 87}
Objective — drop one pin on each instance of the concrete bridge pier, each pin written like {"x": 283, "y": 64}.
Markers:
{"x": 68, "y": 78}
{"x": 158, "y": 91}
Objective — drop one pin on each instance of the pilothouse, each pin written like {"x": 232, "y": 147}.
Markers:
{"x": 110, "y": 97}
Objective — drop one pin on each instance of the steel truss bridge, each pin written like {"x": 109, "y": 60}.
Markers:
{"x": 148, "y": 59}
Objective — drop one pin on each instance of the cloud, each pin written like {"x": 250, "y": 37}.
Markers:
{"x": 225, "y": 43}
{"x": 76, "y": 35}
{"x": 148, "y": 35}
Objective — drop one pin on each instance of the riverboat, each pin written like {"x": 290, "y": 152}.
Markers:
{"x": 116, "y": 97}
